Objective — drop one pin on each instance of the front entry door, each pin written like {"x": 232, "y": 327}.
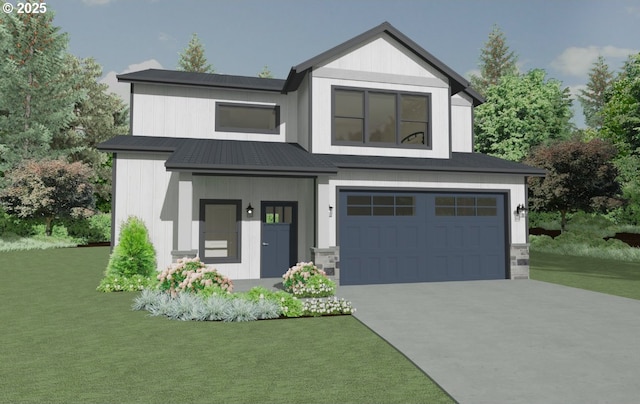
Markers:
{"x": 279, "y": 238}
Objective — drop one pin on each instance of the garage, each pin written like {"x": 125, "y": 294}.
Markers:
{"x": 402, "y": 237}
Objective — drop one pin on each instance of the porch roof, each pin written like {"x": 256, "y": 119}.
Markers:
{"x": 215, "y": 156}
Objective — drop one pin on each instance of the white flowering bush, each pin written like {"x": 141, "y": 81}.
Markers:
{"x": 326, "y": 307}
{"x": 119, "y": 283}
{"x": 305, "y": 280}
{"x": 192, "y": 275}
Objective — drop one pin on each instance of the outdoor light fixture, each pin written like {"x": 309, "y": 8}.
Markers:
{"x": 521, "y": 210}
{"x": 249, "y": 210}
{"x": 330, "y": 211}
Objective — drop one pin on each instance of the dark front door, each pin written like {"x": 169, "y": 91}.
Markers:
{"x": 279, "y": 238}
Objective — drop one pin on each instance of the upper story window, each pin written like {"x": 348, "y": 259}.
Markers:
{"x": 381, "y": 118}
{"x": 250, "y": 118}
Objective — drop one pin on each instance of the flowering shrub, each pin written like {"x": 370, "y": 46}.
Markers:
{"x": 325, "y": 307}
{"x": 192, "y": 275}
{"x": 306, "y": 280}
{"x": 118, "y": 283}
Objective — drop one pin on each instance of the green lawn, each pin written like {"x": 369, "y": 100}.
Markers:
{"x": 61, "y": 341}
{"x": 619, "y": 278}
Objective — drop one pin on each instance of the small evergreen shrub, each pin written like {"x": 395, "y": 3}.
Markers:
{"x": 134, "y": 254}
{"x": 289, "y": 305}
{"x": 192, "y": 275}
{"x": 305, "y": 280}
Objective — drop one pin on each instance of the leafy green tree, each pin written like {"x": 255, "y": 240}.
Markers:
{"x": 193, "y": 59}
{"x": 621, "y": 112}
{"x": 134, "y": 254}
{"x": 580, "y": 176}
{"x": 98, "y": 116}
{"x": 521, "y": 112}
{"x": 36, "y": 97}
{"x": 48, "y": 189}
{"x": 496, "y": 61}
{"x": 265, "y": 73}
{"x": 593, "y": 97}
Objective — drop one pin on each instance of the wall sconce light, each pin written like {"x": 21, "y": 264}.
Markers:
{"x": 330, "y": 211}
{"x": 521, "y": 210}
{"x": 249, "y": 210}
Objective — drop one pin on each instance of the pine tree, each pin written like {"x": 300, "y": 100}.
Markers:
{"x": 192, "y": 59}
{"x": 36, "y": 97}
{"x": 496, "y": 61}
{"x": 593, "y": 97}
{"x": 265, "y": 73}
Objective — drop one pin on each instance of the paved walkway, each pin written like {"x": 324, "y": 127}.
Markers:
{"x": 511, "y": 341}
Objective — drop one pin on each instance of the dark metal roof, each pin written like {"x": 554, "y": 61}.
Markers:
{"x": 459, "y": 162}
{"x": 202, "y": 80}
{"x": 216, "y": 156}
{"x": 297, "y": 73}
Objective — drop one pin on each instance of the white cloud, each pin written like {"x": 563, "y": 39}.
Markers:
{"x": 577, "y": 61}
{"x": 122, "y": 89}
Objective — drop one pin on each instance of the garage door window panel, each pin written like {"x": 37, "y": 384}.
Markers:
{"x": 465, "y": 206}
{"x": 380, "y": 205}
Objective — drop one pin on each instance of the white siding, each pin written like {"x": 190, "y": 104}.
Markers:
{"x": 179, "y": 111}
{"x": 253, "y": 190}
{"x": 144, "y": 189}
{"x": 303, "y": 94}
{"x": 420, "y": 181}
{"x": 461, "y": 123}
{"x": 380, "y": 64}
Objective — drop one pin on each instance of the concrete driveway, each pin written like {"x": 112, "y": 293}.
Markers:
{"x": 511, "y": 341}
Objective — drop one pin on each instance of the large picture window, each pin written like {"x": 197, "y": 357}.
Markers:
{"x": 380, "y": 118}
{"x": 220, "y": 223}
{"x": 247, "y": 118}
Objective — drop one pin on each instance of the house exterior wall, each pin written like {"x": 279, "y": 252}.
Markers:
{"x": 143, "y": 188}
{"x": 254, "y": 190}
{"x": 461, "y": 124}
{"x": 360, "y": 179}
{"x": 380, "y": 64}
{"x": 181, "y": 111}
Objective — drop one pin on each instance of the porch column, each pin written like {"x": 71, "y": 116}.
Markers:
{"x": 185, "y": 215}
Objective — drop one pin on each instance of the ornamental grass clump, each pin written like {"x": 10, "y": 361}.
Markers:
{"x": 192, "y": 275}
{"x": 305, "y": 280}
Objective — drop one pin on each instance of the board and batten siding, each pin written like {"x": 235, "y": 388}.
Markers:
{"x": 420, "y": 182}
{"x": 254, "y": 190}
{"x": 380, "y": 64}
{"x": 144, "y": 189}
{"x": 182, "y": 111}
{"x": 461, "y": 123}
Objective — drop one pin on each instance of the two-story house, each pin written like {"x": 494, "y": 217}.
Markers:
{"x": 362, "y": 159}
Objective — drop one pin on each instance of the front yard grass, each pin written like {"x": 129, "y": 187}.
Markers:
{"x": 620, "y": 278}
{"x": 62, "y": 341}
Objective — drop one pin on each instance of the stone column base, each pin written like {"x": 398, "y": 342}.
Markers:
{"x": 519, "y": 261}
{"x": 327, "y": 259}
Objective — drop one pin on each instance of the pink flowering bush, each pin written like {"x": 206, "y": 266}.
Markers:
{"x": 192, "y": 275}
{"x": 305, "y": 280}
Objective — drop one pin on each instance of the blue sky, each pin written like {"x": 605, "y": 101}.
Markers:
{"x": 564, "y": 37}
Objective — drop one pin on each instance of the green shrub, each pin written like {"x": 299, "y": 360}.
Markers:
{"x": 192, "y": 275}
{"x": 545, "y": 220}
{"x": 585, "y": 245}
{"x": 306, "y": 280}
{"x": 95, "y": 229}
{"x": 134, "y": 254}
{"x": 289, "y": 305}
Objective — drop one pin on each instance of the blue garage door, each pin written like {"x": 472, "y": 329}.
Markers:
{"x": 389, "y": 237}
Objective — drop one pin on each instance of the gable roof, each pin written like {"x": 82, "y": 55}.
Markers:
{"x": 158, "y": 76}
{"x": 233, "y": 157}
{"x": 297, "y": 73}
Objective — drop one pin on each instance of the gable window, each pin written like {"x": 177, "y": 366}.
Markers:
{"x": 380, "y": 118}
{"x": 250, "y": 118}
{"x": 220, "y": 222}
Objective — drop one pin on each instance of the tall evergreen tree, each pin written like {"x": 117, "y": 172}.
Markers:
{"x": 36, "y": 98}
{"x": 593, "y": 97}
{"x": 496, "y": 61}
{"x": 193, "y": 59}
